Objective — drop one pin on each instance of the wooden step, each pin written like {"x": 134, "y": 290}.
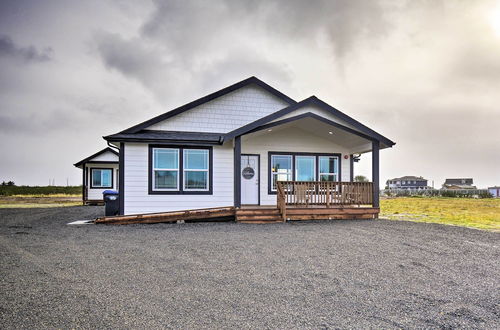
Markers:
{"x": 258, "y": 217}
{"x": 257, "y": 212}
{"x": 258, "y": 221}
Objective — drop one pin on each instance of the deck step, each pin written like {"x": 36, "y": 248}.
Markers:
{"x": 258, "y": 217}
{"x": 259, "y": 222}
{"x": 257, "y": 212}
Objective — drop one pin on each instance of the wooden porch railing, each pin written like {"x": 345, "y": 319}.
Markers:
{"x": 281, "y": 201}
{"x": 328, "y": 194}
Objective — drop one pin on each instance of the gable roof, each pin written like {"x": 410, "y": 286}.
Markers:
{"x": 313, "y": 100}
{"x": 459, "y": 181}
{"x": 409, "y": 177}
{"x": 207, "y": 98}
{"x": 85, "y": 160}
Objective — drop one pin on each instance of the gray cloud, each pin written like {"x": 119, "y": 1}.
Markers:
{"x": 9, "y": 49}
{"x": 423, "y": 73}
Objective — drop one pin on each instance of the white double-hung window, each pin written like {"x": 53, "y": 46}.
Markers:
{"x": 328, "y": 168}
{"x": 281, "y": 169}
{"x": 165, "y": 169}
{"x": 195, "y": 167}
{"x": 179, "y": 170}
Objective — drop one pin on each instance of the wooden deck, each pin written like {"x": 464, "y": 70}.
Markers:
{"x": 247, "y": 214}
{"x": 295, "y": 201}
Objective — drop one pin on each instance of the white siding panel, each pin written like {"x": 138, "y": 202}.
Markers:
{"x": 225, "y": 113}
{"x": 96, "y": 193}
{"x": 291, "y": 140}
{"x": 318, "y": 111}
{"x": 106, "y": 157}
{"x": 137, "y": 199}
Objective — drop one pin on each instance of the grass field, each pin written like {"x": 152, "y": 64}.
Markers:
{"x": 36, "y": 201}
{"x": 39, "y": 196}
{"x": 39, "y": 190}
{"x": 466, "y": 212}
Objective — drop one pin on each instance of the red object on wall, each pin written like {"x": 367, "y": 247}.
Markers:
{"x": 346, "y": 156}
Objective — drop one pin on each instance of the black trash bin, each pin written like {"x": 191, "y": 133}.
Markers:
{"x": 112, "y": 202}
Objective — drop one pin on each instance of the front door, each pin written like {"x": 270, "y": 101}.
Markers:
{"x": 250, "y": 179}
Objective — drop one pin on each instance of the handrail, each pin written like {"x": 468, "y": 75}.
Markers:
{"x": 327, "y": 193}
{"x": 281, "y": 201}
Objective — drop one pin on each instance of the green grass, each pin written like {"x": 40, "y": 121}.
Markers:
{"x": 466, "y": 212}
{"x": 39, "y": 190}
{"x": 36, "y": 205}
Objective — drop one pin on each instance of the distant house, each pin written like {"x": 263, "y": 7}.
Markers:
{"x": 100, "y": 172}
{"x": 494, "y": 191}
{"x": 408, "y": 182}
{"x": 458, "y": 184}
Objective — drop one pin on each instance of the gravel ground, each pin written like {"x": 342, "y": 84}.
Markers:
{"x": 332, "y": 274}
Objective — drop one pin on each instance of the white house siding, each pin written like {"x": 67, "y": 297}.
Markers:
{"x": 94, "y": 193}
{"x": 318, "y": 111}
{"x": 289, "y": 140}
{"x": 106, "y": 157}
{"x": 225, "y": 113}
{"x": 137, "y": 199}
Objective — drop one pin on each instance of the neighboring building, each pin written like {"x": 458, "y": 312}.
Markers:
{"x": 99, "y": 173}
{"x": 230, "y": 148}
{"x": 494, "y": 191}
{"x": 458, "y": 184}
{"x": 408, "y": 182}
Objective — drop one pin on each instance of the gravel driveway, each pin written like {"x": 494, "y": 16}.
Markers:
{"x": 334, "y": 274}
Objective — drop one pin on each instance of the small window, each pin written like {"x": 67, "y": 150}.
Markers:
{"x": 328, "y": 168}
{"x": 102, "y": 178}
{"x": 166, "y": 169}
{"x": 281, "y": 169}
{"x": 195, "y": 169}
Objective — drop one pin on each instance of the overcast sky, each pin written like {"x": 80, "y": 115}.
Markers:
{"x": 425, "y": 74}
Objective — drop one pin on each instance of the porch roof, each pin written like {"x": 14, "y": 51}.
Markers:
{"x": 349, "y": 124}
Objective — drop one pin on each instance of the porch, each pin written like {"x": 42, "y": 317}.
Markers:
{"x": 296, "y": 200}
{"x": 314, "y": 200}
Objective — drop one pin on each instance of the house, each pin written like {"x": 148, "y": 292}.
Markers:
{"x": 494, "y": 191}
{"x": 408, "y": 182}
{"x": 247, "y": 146}
{"x": 458, "y": 184}
{"x": 99, "y": 172}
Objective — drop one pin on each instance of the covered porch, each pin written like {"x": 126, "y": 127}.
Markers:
{"x": 304, "y": 166}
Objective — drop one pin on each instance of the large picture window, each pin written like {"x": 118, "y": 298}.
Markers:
{"x": 302, "y": 167}
{"x": 101, "y": 178}
{"x": 305, "y": 168}
{"x": 179, "y": 170}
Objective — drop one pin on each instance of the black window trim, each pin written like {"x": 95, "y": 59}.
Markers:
{"x": 270, "y": 190}
{"x": 92, "y": 176}
{"x": 181, "y": 190}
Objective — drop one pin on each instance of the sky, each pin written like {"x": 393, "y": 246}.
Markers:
{"x": 425, "y": 74}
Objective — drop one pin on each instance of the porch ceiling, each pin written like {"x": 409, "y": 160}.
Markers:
{"x": 315, "y": 127}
